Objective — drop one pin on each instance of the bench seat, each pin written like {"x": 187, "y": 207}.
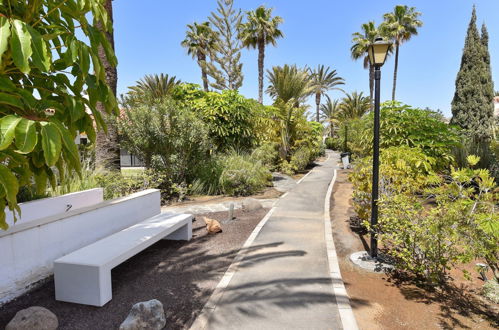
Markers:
{"x": 84, "y": 276}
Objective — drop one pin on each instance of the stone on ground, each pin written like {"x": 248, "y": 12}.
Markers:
{"x": 212, "y": 225}
{"x": 34, "y": 317}
{"x": 145, "y": 315}
{"x": 251, "y": 204}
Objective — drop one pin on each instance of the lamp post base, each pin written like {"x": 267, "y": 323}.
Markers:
{"x": 363, "y": 260}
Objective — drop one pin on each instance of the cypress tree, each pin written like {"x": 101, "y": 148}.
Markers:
{"x": 225, "y": 65}
{"x": 472, "y": 105}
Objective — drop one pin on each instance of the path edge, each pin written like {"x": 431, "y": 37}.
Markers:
{"x": 342, "y": 299}
{"x": 209, "y": 307}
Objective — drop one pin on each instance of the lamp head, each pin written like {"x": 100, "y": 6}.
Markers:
{"x": 378, "y": 52}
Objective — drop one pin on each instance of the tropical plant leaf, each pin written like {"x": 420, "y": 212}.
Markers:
{"x": 26, "y": 137}
{"x": 4, "y": 35}
{"x": 20, "y": 42}
{"x": 51, "y": 143}
{"x": 10, "y": 186}
{"x": 41, "y": 55}
{"x": 69, "y": 146}
{"x": 7, "y": 129}
{"x": 11, "y": 100}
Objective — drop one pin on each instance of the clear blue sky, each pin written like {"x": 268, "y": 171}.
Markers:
{"x": 148, "y": 35}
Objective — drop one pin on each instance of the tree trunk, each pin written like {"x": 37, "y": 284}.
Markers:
{"x": 371, "y": 85}
{"x": 107, "y": 150}
{"x": 397, "y": 44}
{"x": 318, "y": 105}
{"x": 204, "y": 75}
{"x": 261, "y": 57}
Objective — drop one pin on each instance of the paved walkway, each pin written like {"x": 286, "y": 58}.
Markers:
{"x": 283, "y": 280}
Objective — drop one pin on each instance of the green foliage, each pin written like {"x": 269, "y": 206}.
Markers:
{"x": 333, "y": 143}
{"x": 403, "y": 125}
{"x": 490, "y": 290}
{"x": 403, "y": 170}
{"x": 232, "y": 174}
{"x": 300, "y": 159}
{"x": 229, "y": 118}
{"x": 289, "y": 84}
{"x": 167, "y": 136}
{"x": 154, "y": 87}
{"x": 225, "y": 65}
{"x": 267, "y": 154}
{"x": 45, "y": 72}
{"x": 242, "y": 176}
{"x": 472, "y": 106}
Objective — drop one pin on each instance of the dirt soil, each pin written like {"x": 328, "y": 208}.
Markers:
{"x": 182, "y": 275}
{"x": 268, "y": 193}
{"x": 381, "y": 301}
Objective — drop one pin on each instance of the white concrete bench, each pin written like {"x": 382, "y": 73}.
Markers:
{"x": 84, "y": 276}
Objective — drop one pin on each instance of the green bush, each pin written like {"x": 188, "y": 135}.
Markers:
{"x": 301, "y": 158}
{"x": 267, "y": 154}
{"x": 168, "y": 136}
{"x": 402, "y": 125}
{"x": 333, "y": 143}
{"x": 242, "y": 176}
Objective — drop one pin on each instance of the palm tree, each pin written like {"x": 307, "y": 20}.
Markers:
{"x": 199, "y": 41}
{"x": 400, "y": 25}
{"x": 361, "y": 42}
{"x": 289, "y": 83}
{"x": 107, "y": 150}
{"x": 354, "y": 106}
{"x": 155, "y": 86}
{"x": 323, "y": 81}
{"x": 260, "y": 30}
{"x": 329, "y": 113}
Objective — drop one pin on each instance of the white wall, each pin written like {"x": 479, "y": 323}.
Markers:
{"x": 27, "y": 251}
{"x": 46, "y": 207}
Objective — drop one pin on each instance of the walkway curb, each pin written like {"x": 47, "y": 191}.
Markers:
{"x": 343, "y": 301}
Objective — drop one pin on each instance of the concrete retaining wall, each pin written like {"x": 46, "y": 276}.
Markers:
{"x": 28, "y": 249}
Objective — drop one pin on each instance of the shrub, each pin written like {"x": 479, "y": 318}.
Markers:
{"x": 459, "y": 225}
{"x": 168, "y": 136}
{"x": 403, "y": 170}
{"x": 241, "y": 176}
{"x": 301, "y": 158}
{"x": 333, "y": 143}
{"x": 402, "y": 125}
{"x": 267, "y": 154}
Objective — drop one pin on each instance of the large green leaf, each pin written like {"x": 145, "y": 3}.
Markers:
{"x": 7, "y": 129}
{"x": 69, "y": 146}
{"x": 51, "y": 143}
{"x": 20, "y": 42}
{"x": 9, "y": 184}
{"x": 11, "y": 100}
{"x": 41, "y": 55}
{"x": 26, "y": 137}
{"x": 4, "y": 35}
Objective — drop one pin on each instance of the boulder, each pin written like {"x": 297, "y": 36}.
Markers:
{"x": 145, "y": 315}
{"x": 212, "y": 225}
{"x": 251, "y": 204}
{"x": 34, "y": 317}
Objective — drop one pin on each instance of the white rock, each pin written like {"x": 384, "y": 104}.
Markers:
{"x": 34, "y": 317}
{"x": 146, "y": 315}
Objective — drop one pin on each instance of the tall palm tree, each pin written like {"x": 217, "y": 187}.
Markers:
{"x": 289, "y": 83}
{"x": 259, "y": 30}
{"x": 323, "y": 81}
{"x": 361, "y": 42}
{"x": 199, "y": 41}
{"x": 107, "y": 150}
{"x": 329, "y": 113}
{"x": 354, "y": 106}
{"x": 155, "y": 86}
{"x": 400, "y": 25}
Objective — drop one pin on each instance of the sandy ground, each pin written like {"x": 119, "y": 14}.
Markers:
{"x": 182, "y": 275}
{"x": 380, "y": 301}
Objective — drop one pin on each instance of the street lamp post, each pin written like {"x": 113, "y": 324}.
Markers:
{"x": 377, "y": 55}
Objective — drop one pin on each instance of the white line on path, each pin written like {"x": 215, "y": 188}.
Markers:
{"x": 343, "y": 301}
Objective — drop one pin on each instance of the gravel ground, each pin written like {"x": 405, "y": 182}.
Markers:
{"x": 182, "y": 275}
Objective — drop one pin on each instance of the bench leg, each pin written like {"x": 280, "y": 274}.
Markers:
{"x": 184, "y": 233}
{"x": 82, "y": 284}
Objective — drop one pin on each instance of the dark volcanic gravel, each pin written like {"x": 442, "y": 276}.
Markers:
{"x": 182, "y": 275}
